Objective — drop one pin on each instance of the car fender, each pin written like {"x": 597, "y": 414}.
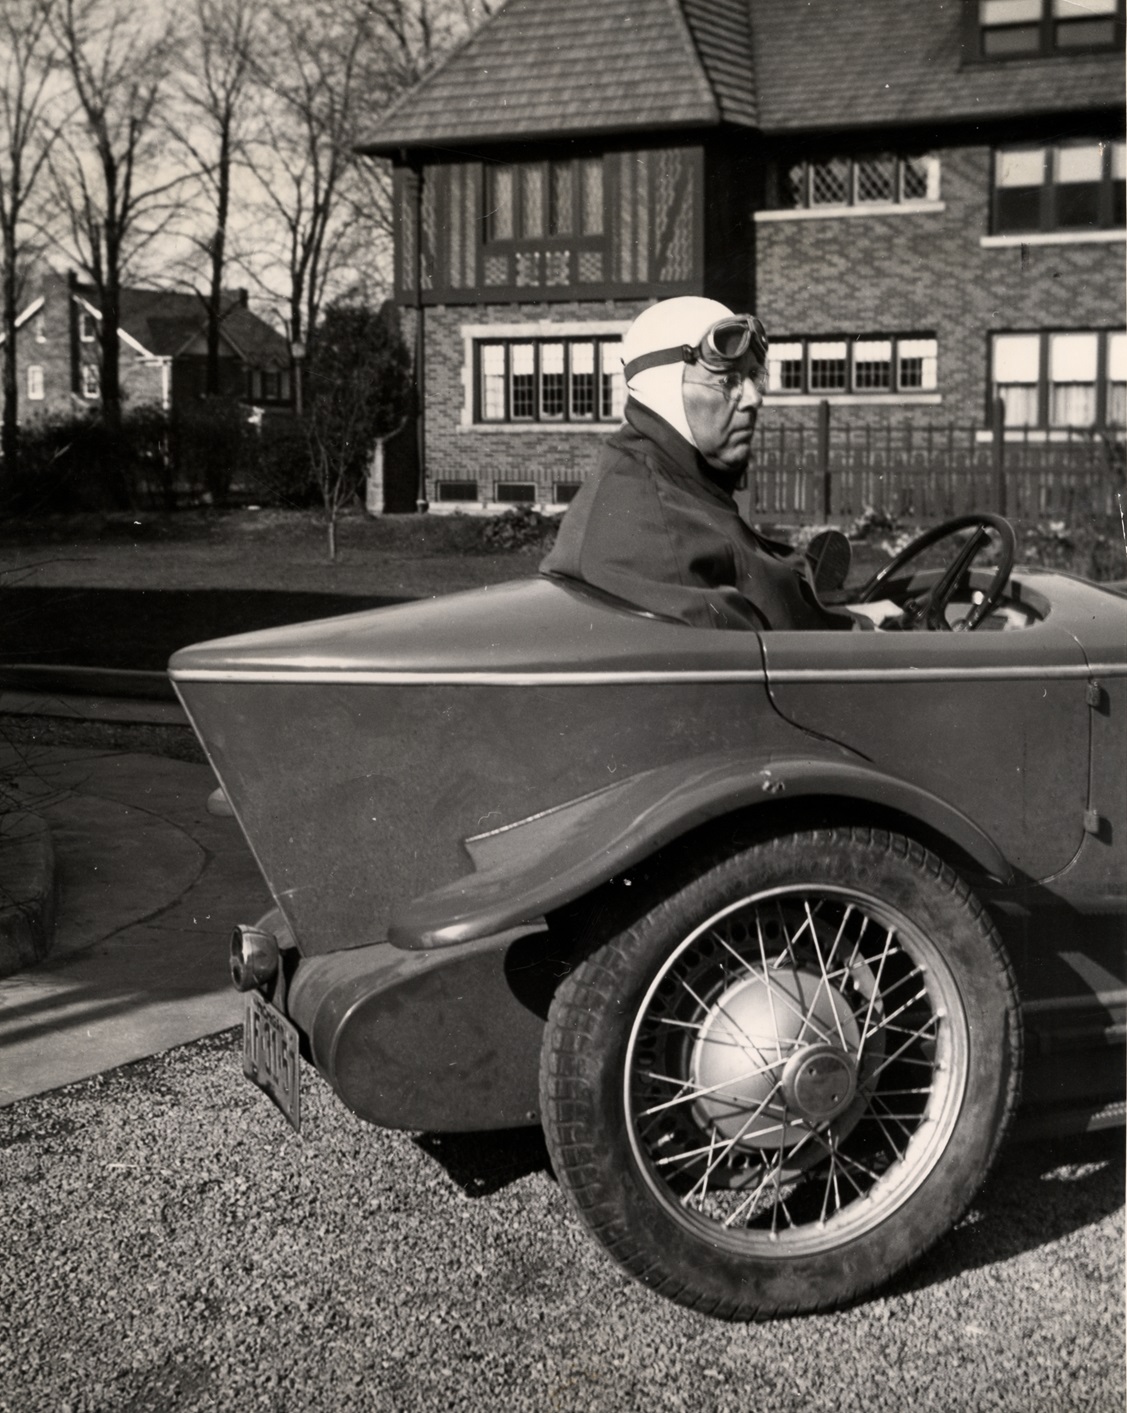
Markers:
{"x": 526, "y": 869}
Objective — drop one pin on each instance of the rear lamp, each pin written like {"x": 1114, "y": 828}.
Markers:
{"x": 254, "y": 957}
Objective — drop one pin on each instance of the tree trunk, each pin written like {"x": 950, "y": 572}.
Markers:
{"x": 9, "y": 434}
{"x": 218, "y": 257}
{"x": 332, "y": 538}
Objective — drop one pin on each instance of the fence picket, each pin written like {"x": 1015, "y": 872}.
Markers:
{"x": 805, "y": 474}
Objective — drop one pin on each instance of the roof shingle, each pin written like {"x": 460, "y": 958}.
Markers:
{"x": 544, "y": 68}
{"x": 567, "y": 66}
{"x": 824, "y": 64}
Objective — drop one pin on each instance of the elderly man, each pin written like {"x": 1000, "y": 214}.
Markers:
{"x": 656, "y": 524}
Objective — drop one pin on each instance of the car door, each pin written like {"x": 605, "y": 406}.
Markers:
{"x": 995, "y": 723}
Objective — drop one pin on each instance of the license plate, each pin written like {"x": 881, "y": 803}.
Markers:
{"x": 271, "y": 1058}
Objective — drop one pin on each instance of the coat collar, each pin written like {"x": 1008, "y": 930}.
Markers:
{"x": 679, "y": 460}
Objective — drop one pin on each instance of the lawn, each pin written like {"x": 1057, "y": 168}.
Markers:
{"x": 126, "y": 591}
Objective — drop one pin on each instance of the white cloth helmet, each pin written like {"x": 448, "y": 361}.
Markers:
{"x": 661, "y": 340}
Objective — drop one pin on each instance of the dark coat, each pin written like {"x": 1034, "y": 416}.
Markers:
{"x": 653, "y": 527}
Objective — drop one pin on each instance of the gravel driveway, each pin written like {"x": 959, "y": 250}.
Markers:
{"x": 166, "y": 1243}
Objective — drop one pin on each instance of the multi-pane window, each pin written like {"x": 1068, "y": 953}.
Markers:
{"x": 1014, "y": 29}
{"x": 1064, "y": 186}
{"x": 857, "y": 365}
{"x": 87, "y": 327}
{"x": 549, "y": 380}
{"x": 880, "y": 179}
{"x": 90, "y": 380}
{"x": 35, "y": 383}
{"x": 526, "y": 201}
{"x": 1074, "y": 378}
{"x": 268, "y": 384}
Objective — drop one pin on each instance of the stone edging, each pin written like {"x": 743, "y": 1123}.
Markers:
{"x": 29, "y": 891}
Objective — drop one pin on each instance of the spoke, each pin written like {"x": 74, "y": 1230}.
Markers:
{"x": 831, "y": 1185}
{"x": 705, "y": 1008}
{"x": 837, "y": 1164}
{"x": 908, "y": 1059}
{"x": 879, "y": 1120}
{"x": 885, "y": 1023}
{"x": 777, "y": 1166}
{"x": 688, "y": 1092}
{"x": 876, "y": 987}
{"x": 731, "y": 1143}
{"x": 702, "y": 1181}
{"x": 831, "y": 971}
{"x": 825, "y": 980}
{"x": 767, "y": 981}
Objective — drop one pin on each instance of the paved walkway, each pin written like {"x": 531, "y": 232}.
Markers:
{"x": 151, "y": 886}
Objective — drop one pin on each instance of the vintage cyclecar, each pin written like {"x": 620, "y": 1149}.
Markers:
{"x": 758, "y": 926}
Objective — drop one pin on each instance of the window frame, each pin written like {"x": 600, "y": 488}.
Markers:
{"x": 545, "y": 238}
{"x": 91, "y": 381}
{"x": 850, "y": 387}
{"x": 87, "y": 327}
{"x": 1048, "y": 28}
{"x": 1045, "y": 383}
{"x": 538, "y": 417}
{"x": 853, "y": 201}
{"x": 35, "y": 383}
{"x": 1048, "y": 198}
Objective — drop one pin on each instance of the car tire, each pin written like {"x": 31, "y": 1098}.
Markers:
{"x": 788, "y": 1078}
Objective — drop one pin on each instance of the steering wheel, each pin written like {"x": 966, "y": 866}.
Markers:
{"x": 929, "y": 610}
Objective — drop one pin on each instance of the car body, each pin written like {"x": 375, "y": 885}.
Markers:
{"x": 540, "y": 857}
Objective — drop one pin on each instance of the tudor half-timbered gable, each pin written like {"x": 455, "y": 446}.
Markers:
{"x": 923, "y": 201}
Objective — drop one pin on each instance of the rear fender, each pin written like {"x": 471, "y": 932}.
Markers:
{"x": 538, "y": 865}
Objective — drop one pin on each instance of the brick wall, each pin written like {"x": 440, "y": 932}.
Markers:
{"x": 454, "y": 452}
{"x": 46, "y": 342}
{"x": 928, "y": 271}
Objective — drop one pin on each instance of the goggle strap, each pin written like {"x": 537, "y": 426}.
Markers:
{"x": 660, "y": 357}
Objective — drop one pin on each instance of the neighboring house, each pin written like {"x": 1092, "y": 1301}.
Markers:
{"x": 163, "y": 351}
{"x": 924, "y": 202}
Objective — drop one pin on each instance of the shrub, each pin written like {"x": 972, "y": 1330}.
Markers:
{"x": 75, "y": 463}
{"x": 518, "y": 529}
{"x": 1092, "y": 547}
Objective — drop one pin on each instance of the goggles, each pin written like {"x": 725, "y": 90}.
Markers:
{"x": 724, "y": 346}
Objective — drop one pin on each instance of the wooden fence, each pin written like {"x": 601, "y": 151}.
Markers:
{"x": 803, "y": 475}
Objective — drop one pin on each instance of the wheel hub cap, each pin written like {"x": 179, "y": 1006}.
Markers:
{"x": 819, "y": 1083}
{"x": 776, "y": 1052}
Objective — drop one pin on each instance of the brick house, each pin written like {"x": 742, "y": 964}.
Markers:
{"x": 924, "y": 202}
{"x": 163, "y": 341}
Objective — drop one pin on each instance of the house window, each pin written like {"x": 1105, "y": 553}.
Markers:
{"x": 1059, "y": 187}
{"x": 549, "y": 380}
{"x": 526, "y": 201}
{"x": 564, "y": 492}
{"x": 1021, "y": 29}
{"x": 40, "y": 328}
{"x": 857, "y": 365}
{"x": 881, "y": 179}
{"x": 87, "y": 327}
{"x": 1074, "y": 378}
{"x": 461, "y": 491}
{"x": 90, "y": 380}
{"x": 35, "y": 383}
{"x": 515, "y": 492}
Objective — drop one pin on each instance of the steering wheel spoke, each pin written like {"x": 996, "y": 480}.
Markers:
{"x": 929, "y": 610}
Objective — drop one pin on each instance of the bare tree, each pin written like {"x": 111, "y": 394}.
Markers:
{"x": 27, "y": 132}
{"x": 114, "y": 191}
{"x": 331, "y": 68}
{"x": 215, "y": 91}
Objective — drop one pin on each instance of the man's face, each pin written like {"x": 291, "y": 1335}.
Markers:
{"x": 721, "y": 410}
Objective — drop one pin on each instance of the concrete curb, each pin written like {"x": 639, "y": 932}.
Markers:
{"x": 29, "y": 891}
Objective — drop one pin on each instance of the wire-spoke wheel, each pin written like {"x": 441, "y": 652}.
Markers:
{"x": 788, "y": 1079}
